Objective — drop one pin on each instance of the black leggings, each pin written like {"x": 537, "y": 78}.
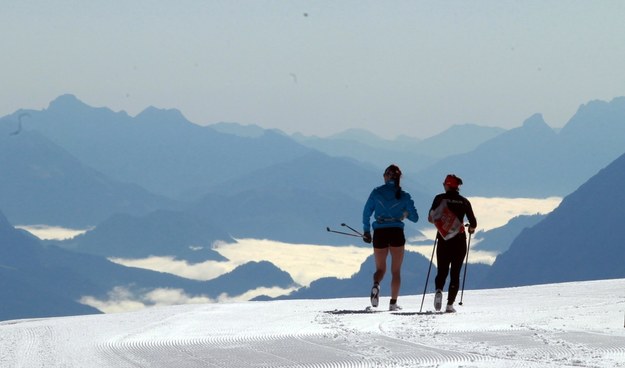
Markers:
{"x": 449, "y": 257}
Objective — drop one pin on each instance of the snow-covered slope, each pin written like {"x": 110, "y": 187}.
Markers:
{"x": 559, "y": 325}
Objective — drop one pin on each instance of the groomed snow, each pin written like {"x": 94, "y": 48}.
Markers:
{"x": 578, "y": 324}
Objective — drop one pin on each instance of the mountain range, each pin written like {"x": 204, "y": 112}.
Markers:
{"x": 159, "y": 150}
{"x": 534, "y": 160}
{"x": 157, "y": 184}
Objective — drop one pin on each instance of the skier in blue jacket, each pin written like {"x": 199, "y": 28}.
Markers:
{"x": 390, "y": 205}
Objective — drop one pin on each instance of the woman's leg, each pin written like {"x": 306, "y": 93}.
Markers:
{"x": 442, "y": 263}
{"x": 380, "y": 255}
{"x": 459, "y": 251}
{"x": 397, "y": 258}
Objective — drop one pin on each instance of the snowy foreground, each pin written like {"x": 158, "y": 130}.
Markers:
{"x": 561, "y": 325}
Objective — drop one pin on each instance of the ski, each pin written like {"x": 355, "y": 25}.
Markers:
{"x": 367, "y": 310}
{"x": 370, "y": 310}
{"x": 426, "y": 313}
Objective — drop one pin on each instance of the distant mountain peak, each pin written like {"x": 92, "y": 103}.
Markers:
{"x": 535, "y": 120}
{"x": 536, "y": 124}
{"x": 69, "y": 104}
{"x": 596, "y": 116}
{"x": 154, "y": 113}
{"x": 66, "y": 102}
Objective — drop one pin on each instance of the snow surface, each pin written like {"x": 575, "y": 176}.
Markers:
{"x": 579, "y": 324}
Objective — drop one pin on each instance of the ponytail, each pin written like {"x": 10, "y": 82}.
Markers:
{"x": 394, "y": 173}
{"x": 397, "y": 189}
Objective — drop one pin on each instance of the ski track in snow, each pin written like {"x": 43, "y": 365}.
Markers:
{"x": 493, "y": 329}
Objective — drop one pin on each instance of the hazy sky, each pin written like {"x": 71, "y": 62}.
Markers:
{"x": 318, "y": 67}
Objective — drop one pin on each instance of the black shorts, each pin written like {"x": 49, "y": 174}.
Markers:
{"x": 388, "y": 237}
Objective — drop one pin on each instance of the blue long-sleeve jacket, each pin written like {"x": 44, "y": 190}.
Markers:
{"x": 389, "y": 211}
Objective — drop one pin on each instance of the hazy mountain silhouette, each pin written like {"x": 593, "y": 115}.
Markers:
{"x": 454, "y": 140}
{"x": 458, "y": 139}
{"x": 594, "y": 136}
{"x": 42, "y": 183}
{"x": 411, "y": 154}
{"x": 534, "y": 160}
{"x": 579, "y": 240}
{"x": 518, "y": 162}
{"x": 379, "y": 156}
{"x": 158, "y": 149}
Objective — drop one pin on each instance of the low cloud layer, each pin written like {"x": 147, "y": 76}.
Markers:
{"x": 122, "y": 299}
{"x": 46, "y": 232}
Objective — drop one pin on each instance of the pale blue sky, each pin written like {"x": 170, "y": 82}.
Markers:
{"x": 318, "y": 67}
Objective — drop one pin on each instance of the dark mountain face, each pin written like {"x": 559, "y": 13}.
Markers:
{"x": 22, "y": 279}
{"x": 580, "y": 240}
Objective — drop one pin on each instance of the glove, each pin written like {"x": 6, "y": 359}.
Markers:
{"x": 471, "y": 230}
{"x": 367, "y": 237}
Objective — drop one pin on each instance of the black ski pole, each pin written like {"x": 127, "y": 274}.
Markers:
{"x": 352, "y": 229}
{"x": 340, "y": 232}
{"x": 427, "y": 279}
{"x": 466, "y": 265}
